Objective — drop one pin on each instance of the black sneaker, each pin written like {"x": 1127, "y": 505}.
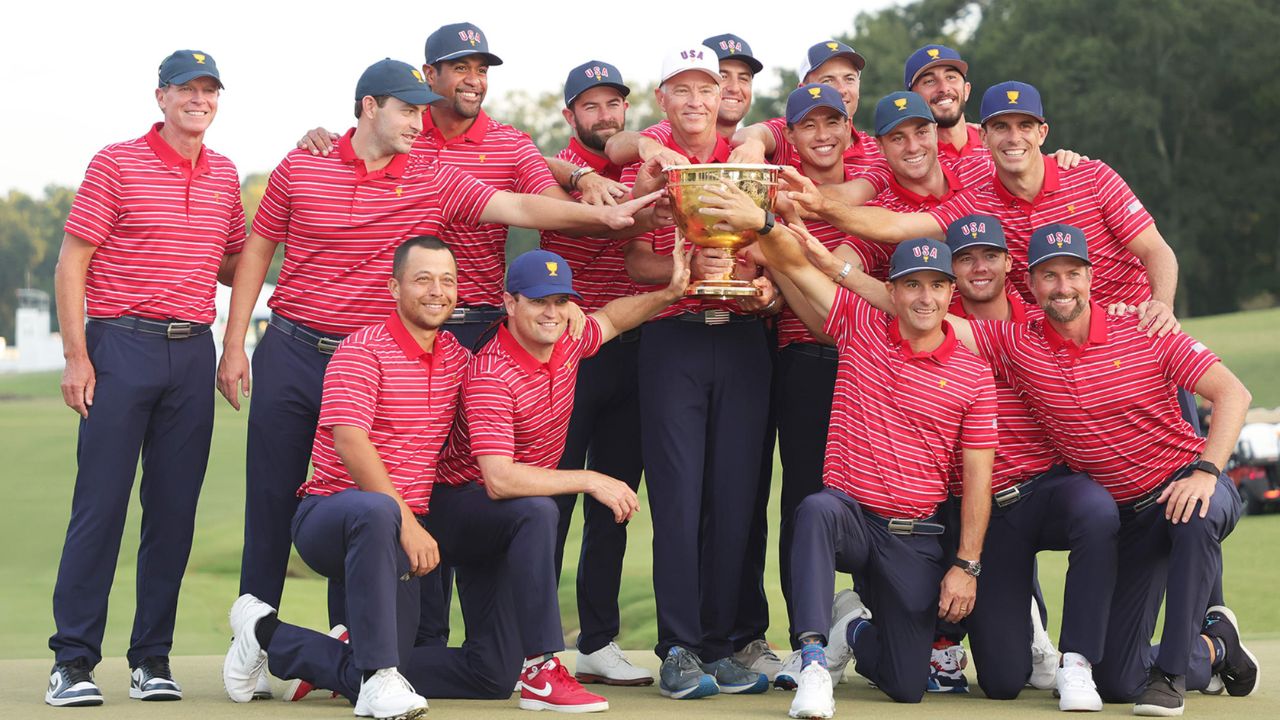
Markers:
{"x": 71, "y": 685}
{"x": 1239, "y": 667}
{"x": 1165, "y": 695}
{"x": 151, "y": 680}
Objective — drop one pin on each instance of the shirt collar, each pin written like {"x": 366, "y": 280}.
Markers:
{"x": 1052, "y": 181}
{"x": 474, "y": 134}
{"x": 1017, "y": 306}
{"x": 718, "y": 155}
{"x": 171, "y": 158}
{"x": 973, "y": 142}
{"x": 594, "y": 161}
{"x": 857, "y": 144}
{"x": 347, "y": 153}
{"x": 939, "y": 354}
{"x": 1097, "y": 333}
{"x": 407, "y": 343}
{"x": 516, "y": 351}
{"x": 952, "y": 182}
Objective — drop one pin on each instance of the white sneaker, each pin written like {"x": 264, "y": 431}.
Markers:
{"x": 814, "y": 698}
{"x": 1076, "y": 691}
{"x": 845, "y": 602}
{"x": 839, "y": 653}
{"x": 610, "y": 666}
{"x": 1044, "y": 656}
{"x": 1215, "y": 686}
{"x": 788, "y": 677}
{"x": 388, "y": 695}
{"x": 245, "y": 659}
{"x": 262, "y": 691}
{"x": 757, "y": 656}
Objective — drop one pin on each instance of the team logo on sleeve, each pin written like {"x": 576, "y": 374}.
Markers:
{"x": 925, "y": 253}
{"x": 900, "y": 103}
{"x": 731, "y": 46}
{"x": 199, "y": 58}
{"x": 470, "y": 36}
{"x": 1058, "y": 238}
{"x": 933, "y": 53}
{"x": 1013, "y": 96}
{"x": 553, "y": 268}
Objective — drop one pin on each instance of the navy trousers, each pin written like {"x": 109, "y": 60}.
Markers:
{"x": 604, "y": 435}
{"x": 1062, "y": 511}
{"x": 502, "y": 553}
{"x": 703, "y": 410}
{"x": 1176, "y": 563}
{"x": 898, "y": 578}
{"x": 154, "y": 396}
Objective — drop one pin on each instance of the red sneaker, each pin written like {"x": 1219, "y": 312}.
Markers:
{"x": 548, "y": 686}
{"x": 299, "y": 688}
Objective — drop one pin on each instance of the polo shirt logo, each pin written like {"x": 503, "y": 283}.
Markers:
{"x": 1071, "y": 208}
{"x": 833, "y": 46}
{"x": 933, "y": 53}
{"x": 552, "y": 269}
{"x": 399, "y": 191}
{"x": 1013, "y": 96}
{"x": 199, "y": 58}
{"x": 942, "y": 384}
{"x": 900, "y": 103}
{"x": 1117, "y": 364}
{"x": 470, "y": 36}
{"x": 481, "y": 158}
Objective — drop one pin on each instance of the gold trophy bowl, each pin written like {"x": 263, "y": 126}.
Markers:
{"x": 684, "y": 186}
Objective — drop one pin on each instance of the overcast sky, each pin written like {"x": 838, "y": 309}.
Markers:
{"x": 79, "y": 75}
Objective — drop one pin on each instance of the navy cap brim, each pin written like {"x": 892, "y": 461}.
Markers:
{"x": 908, "y": 271}
{"x": 960, "y": 65}
{"x": 491, "y": 58}
{"x": 541, "y": 291}
{"x": 187, "y": 77}
{"x": 622, "y": 89}
{"x": 416, "y": 96}
{"x": 1011, "y": 111}
{"x": 977, "y": 243}
{"x": 840, "y": 109}
{"x": 753, "y": 64}
{"x": 1053, "y": 255}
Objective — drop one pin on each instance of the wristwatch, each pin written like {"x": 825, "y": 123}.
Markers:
{"x": 577, "y": 176}
{"x": 973, "y": 568}
{"x": 768, "y": 224}
{"x": 1206, "y": 466}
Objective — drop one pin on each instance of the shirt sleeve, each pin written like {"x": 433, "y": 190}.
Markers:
{"x": 660, "y": 132}
{"x": 877, "y": 173}
{"x": 849, "y": 317}
{"x": 237, "y": 230}
{"x": 1122, "y": 211}
{"x": 592, "y": 339}
{"x": 490, "y": 409}
{"x": 352, "y": 383}
{"x": 1182, "y": 358}
{"x": 271, "y": 221}
{"x": 533, "y": 177}
{"x": 952, "y": 210}
{"x": 462, "y": 197}
{"x": 96, "y": 207}
{"x": 777, "y": 128}
{"x": 993, "y": 338}
{"x": 978, "y": 429}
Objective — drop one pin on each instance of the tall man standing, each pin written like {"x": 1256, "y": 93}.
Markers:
{"x": 156, "y": 222}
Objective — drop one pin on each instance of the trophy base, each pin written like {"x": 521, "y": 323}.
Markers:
{"x": 722, "y": 289}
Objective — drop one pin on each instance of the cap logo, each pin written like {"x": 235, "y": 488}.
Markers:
{"x": 900, "y": 103}
{"x": 1058, "y": 238}
{"x": 732, "y": 46}
{"x": 470, "y": 36}
{"x": 199, "y": 58}
{"x": 597, "y": 72}
{"x": 1013, "y": 96}
{"x": 933, "y": 53}
{"x": 552, "y": 268}
{"x": 690, "y": 54}
{"x": 417, "y": 74}
{"x": 833, "y": 46}
{"x": 925, "y": 253}
{"x": 974, "y": 229}
{"x": 815, "y": 93}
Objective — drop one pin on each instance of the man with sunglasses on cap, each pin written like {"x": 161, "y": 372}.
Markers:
{"x": 155, "y": 225}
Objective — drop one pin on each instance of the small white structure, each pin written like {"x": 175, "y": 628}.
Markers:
{"x": 35, "y": 348}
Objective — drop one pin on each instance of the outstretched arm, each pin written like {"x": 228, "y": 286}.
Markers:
{"x": 625, "y": 313}
{"x": 869, "y": 222}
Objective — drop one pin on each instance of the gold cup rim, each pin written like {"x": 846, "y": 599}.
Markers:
{"x": 731, "y": 166}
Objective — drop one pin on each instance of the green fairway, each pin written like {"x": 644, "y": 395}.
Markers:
{"x": 39, "y": 442}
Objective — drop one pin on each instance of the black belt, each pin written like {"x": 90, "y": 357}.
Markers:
{"x": 171, "y": 329}
{"x": 476, "y": 314}
{"x": 1014, "y": 493}
{"x": 715, "y": 316}
{"x": 906, "y": 526}
{"x": 814, "y": 350}
{"x": 1153, "y": 495}
{"x": 324, "y": 343}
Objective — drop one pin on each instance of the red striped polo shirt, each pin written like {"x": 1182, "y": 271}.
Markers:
{"x": 862, "y": 154}
{"x": 1109, "y": 406}
{"x": 898, "y": 417}
{"x": 599, "y": 265}
{"x": 161, "y": 226}
{"x": 970, "y": 169}
{"x": 341, "y": 224}
{"x": 1092, "y": 197}
{"x": 1024, "y": 451}
{"x": 503, "y": 158}
{"x": 973, "y": 148}
{"x": 381, "y": 381}
{"x": 515, "y": 406}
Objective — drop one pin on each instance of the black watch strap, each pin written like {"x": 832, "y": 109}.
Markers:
{"x": 1206, "y": 466}
{"x": 768, "y": 223}
{"x": 972, "y": 567}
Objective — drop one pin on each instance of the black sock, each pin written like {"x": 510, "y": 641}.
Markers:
{"x": 1219, "y": 653}
{"x": 265, "y": 629}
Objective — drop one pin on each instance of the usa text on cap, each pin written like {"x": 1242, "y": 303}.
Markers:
{"x": 920, "y": 254}
{"x": 690, "y": 57}
{"x": 1057, "y": 240}
{"x": 824, "y": 51}
{"x": 732, "y": 47}
{"x": 931, "y": 56}
{"x": 539, "y": 274}
{"x": 1011, "y": 97}
{"x": 397, "y": 79}
{"x": 592, "y": 73}
{"x": 187, "y": 65}
{"x": 897, "y": 107}
{"x": 458, "y": 40}
{"x": 807, "y": 98}
{"x": 975, "y": 231}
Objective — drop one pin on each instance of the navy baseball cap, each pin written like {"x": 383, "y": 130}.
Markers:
{"x": 826, "y": 50}
{"x": 592, "y": 73}
{"x": 540, "y": 273}
{"x": 975, "y": 231}
{"x": 732, "y": 47}
{"x": 397, "y": 79}
{"x": 1011, "y": 97}
{"x": 458, "y": 40}
{"x": 920, "y": 254}
{"x": 1057, "y": 240}
{"x": 897, "y": 107}
{"x": 187, "y": 65}
{"x": 806, "y": 98}
{"x": 932, "y": 56}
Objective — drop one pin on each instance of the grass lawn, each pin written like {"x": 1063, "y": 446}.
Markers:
{"x": 38, "y": 451}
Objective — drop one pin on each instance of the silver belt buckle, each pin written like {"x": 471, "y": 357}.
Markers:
{"x": 178, "y": 331}
{"x": 459, "y": 315}
{"x": 1008, "y": 496}
{"x": 901, "y": 526}
{"x": 715, "y": 316}
{"x": 327, "y": 346}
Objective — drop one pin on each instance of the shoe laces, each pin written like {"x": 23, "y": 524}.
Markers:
{"x": 392, "y": 680}
{"x": 556, "y": 674}
{"x": 686, "y": 662}
{"x": 157, "y": 666}
{"x": 1077, "y": 677}
{"x": 614, "y": 655}
{"x": 77, "y": 671}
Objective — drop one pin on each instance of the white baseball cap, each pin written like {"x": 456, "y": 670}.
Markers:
{"x": 694, "y": 56}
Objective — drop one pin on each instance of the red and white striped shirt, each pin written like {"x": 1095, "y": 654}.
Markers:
{"x": 381, "y": 381}
{"x": 1092, "y": 197}
{"x": 971, "y": 169}
{"x": 1109, "y": 406}
{"x": 1024, "y": 451}
{"x": 862, "y": 154}
{"x": 598, "y": 264}
{"x": 503, "y": 158}
{"x": 161, "y": 226}
{"x": 341, "y": 224}
{"x": 973, "y": 148}
{"x": 898, "y": 417}
{"x": 515, "y": 406}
